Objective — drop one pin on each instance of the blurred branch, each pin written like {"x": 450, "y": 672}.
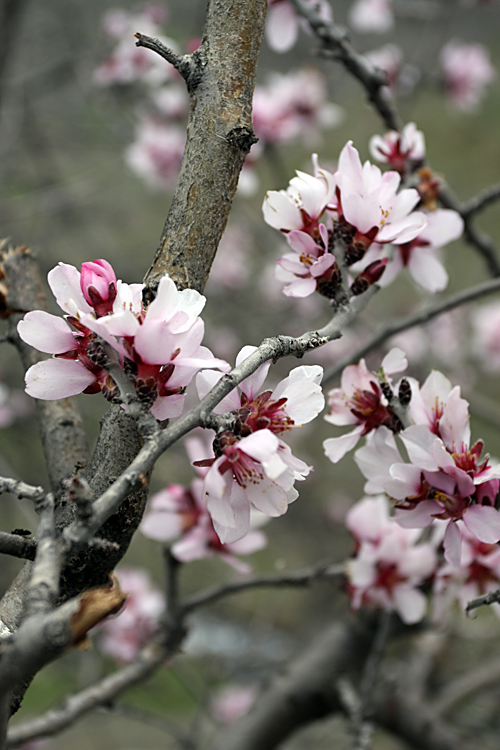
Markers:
{"x": 300, "y": 579}
{"x": 475, "y": 680}
{"x": 150, "y": 658}
{"x": 415, "y": 319}
{"x": 335, "y": 44}
{"x": 219, "y": 136}
{"x": 481, "y": 201}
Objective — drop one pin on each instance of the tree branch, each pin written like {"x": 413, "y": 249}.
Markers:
{"x": 17, "y": 546}
{"x": 219, "y": 136}
{"x": 336, "y": 42}
{"x": 415, "y": 319}
{"x": 300, "y": 579}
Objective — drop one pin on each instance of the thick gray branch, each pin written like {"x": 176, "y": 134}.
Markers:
{"x": 219, "y": 136}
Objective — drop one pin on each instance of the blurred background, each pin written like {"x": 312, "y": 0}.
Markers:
{"x": 89, "y": 151}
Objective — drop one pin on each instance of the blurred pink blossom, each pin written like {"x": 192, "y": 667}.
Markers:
{"x": 128, "y": 63}
{"x": 399, "y": 150}
{"x": 486, "y": 336}
{"x": 283, "y": 23}
{"x": 156, "y": 153}
{"x": 388, "y": 58}
{"x": 233, "y": 702}
{"x": 467, "y": 70}
{"x": 371, "y": 16}
{"x": 123, "y": 635}
{"x": 389, "y": 564}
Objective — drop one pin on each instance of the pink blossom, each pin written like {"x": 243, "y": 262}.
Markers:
{"x": 303, "y": 203}
{"x": 156, "y": 154}
{"x": 233, "y": 702}
{"x": 252, "y": 466}
{"x": 128, "y": 63}
{"x": 293, "y": 105}
{"x": 181, "y": 512}
{"x": 486, "y": 336}
{"x": 311, "y": 266}
{"x": 282, "y": 26}
{"x": 399, "y": 150}
{"x": 466, "y": 72}
{"x": 453, "y": 486}
{"x": 369, "y": 202}
{"x": 419, "y": 256}
{"x": 389, "y": 564}
{"x": 388, "y": 58}
{"x": 361, "y": 401}
{"x": 477, "y": 574}
{"x": 159, "y": 346}
{"x": 371, "y": 16}
{"x": 126, "y": 633}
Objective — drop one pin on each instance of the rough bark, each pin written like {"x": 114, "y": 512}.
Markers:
{"x": 219, "y": 136}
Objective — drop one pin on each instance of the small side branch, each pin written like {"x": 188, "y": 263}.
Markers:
{"x": 492, "y": 598}
{"x": 301, "y": 579}
{"x": 189, "y": 66}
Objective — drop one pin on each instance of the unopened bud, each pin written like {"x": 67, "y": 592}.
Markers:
{"x": 98, "y": 285}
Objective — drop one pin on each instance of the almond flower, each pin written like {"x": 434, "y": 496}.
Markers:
{"x": 181, "y": 512}
{"x": 159, "y": 345}
{"x": 419, "y": 254}
{"x": 389, "y": 564}
{"x": 361, "y": 401}
{"x": 310, "y": 267}
{"x": 303, "y": 203}
{"x": 252, "y": 465}
{"x": 399, "y": 150}
{"x": 370, "y": 203}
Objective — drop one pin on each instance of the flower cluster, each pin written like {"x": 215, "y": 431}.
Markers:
{"x": 252, "y": 465}
{"x": 364, "y": 212}
{"x": 157, "y": 345}
{"x": 390, "y": 562}
{"x": 182, "y": 512}
{"x": 444, "y": 476}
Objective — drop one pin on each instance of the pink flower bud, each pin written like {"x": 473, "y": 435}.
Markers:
{"x": 98, "y": 284}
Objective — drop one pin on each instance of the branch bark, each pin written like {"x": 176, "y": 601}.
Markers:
{"x": 219, "y": 136}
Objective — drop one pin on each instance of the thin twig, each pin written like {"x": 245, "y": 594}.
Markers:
{"x": 415, "y": 319}
{"x": 492, "y": 598}
{"x": 300, "y": 579}
{"x": 43, "y": 588}
{"x": 186, "y": 64}
{"x": 373, "y": 80}
{"x": 481, "y": 201}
